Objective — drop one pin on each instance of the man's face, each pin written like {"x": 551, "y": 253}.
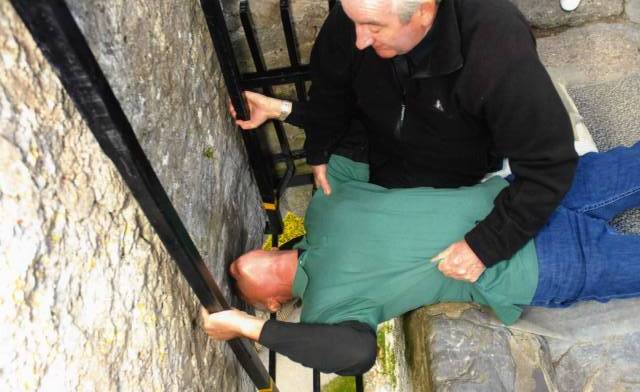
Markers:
{"x": 378, "y": 26}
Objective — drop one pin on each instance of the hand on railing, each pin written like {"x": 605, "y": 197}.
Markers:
{"x": 231, "y": 324}
{"x": 261, "y": 109}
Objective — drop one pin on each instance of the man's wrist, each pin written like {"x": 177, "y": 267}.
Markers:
{"x": 251, "y": 327}
{"x": 285, "y": 110}
{"x": 279, "y": 109}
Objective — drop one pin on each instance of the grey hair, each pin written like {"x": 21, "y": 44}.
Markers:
{"x": 406, "y": 8}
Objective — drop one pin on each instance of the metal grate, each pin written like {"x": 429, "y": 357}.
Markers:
{"x": 296, "y": 74}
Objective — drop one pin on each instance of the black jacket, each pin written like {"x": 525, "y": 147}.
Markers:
{"x": 472, "y": 92}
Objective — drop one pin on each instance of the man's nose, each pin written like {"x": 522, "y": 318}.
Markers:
{"x": 363, "y": 38}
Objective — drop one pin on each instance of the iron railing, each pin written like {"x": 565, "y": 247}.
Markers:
{"x": 264, "y": 79}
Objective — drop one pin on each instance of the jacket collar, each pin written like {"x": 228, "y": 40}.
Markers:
{"x": 440, "y": 51}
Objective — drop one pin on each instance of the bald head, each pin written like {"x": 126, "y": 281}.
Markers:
{"x": 265, "y": 278}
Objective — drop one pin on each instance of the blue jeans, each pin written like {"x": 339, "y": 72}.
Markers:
{"x": 580, "y": 256}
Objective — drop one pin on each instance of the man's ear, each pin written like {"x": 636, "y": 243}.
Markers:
{"x": 427, "y": 13}
{"x": 233, "y": 270}
{"x": 273, "y": 305}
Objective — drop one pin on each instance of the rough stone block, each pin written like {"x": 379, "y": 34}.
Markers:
{"x": 632, "y": 9}
{"x": 457, "y": 347}
{"x": 548, "y": 13}
{"x": 89, "y": 298}
{"x": 592, "y": 54}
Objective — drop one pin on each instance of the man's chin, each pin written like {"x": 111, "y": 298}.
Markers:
{"x": 385, "y": 53}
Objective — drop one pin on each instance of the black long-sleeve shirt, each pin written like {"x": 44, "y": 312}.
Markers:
{"x": 347, "y": 348}
{"x": 472, "y": 92}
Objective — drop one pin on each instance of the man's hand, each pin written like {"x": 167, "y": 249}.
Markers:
{"x": 320, "y": 178}
{"x": 261, "y": 109}
{"x": 460, "y": 262}
{"x": 231, "y": 324}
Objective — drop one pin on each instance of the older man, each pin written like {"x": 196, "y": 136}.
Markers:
{"x": 439, "y": 92}
{"x": 363, "y": 260}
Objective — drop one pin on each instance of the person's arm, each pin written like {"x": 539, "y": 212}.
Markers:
{"x": 530, "y": 126}
{"x": 348, "y": 348}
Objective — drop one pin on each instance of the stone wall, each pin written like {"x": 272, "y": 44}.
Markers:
{"x": 89, "y": 298}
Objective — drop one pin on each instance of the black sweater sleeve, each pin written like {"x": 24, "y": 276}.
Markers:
{"x": 530, "y": 126}
{"x": 327, "y": 115}
{"x": 348, "y": 348}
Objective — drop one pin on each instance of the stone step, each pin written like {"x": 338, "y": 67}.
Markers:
{"x": 548, "y": 14}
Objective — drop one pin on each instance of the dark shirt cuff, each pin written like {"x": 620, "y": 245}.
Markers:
{"x": 320, "y": 157}
{"x": 297, "y": 115}
{"x": 480, "y": 244}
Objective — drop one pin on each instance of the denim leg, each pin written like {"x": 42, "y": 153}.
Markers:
{"x": 583, "y": 258}
{"x": 561, "y": 266}
{"x": 612, "y": 266}
{"x": 606, "y": 183}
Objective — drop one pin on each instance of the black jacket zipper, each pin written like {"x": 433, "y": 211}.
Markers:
{"x": 402, "y": 81}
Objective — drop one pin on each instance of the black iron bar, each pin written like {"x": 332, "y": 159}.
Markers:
{"x": 272, "y": 316}
{"x": 316, "y": 380}
{"x": 331, "y": 4}
{"x": 63, "y": 44}
{"x": 276, "y": 77}
{"x": 295, "y": 154}
{"x": 301, "y": 179}
{"x": 226, "y": 57}
{"x": 359, "y": 384}
{"x": 256, "y": 150}
{"x": 260, "y": 65}
{"x": 292, "y": 46}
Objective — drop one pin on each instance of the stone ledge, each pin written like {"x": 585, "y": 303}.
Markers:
{"x": 546, "y": 14}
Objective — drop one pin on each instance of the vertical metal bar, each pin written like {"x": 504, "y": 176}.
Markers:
{"x": 259, "y": 63}
{"x": 256, "y": 151}
{"x": 316, "y": 380}
{"x": 331, "y": 4}
{"x": 272, "y": 356}
{"x": 359, "y": 383}
{"x": 62, "y": 43}
{"x": 226, "y": 57}
{"x": 292, "y": 46}
{"x": 273, "y": 316}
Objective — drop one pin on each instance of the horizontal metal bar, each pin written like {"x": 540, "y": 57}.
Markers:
{"x": 275, "y": 77}
{"x": 294, "y": 155}
{"x": 61, "y": 41}
{"x": 300, "y": 180}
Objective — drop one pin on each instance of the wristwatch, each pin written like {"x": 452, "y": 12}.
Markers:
{"x": 285, "y": 110}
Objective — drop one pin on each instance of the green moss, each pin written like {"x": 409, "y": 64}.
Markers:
{"x": 208, "y": 152}
{"x": 341, "y": 384}
{"x": 386, "y": 356}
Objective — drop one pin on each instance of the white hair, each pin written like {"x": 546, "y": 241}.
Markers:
{"x": 406, "y": 8}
